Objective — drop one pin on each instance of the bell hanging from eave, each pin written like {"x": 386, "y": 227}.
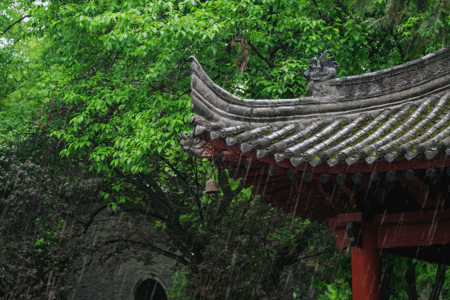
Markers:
{"x": 211, "y": 187}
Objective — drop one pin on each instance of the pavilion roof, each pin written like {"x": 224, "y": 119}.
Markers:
{"x": 395, "y": 117}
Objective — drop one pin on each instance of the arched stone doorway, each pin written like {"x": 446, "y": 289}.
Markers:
{"x": 150, "y": 289}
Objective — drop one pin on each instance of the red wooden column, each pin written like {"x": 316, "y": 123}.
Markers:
{"x": 366, "y": 267}
{"x": 397, "y": 231}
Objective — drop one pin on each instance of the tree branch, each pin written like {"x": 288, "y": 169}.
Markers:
{"x": 317, "y": 254}
{"x": 11, "y": 26}
{"x": 438, "y": 282}
{"x": 196, "y": 196}
{"x": 154, "y": 248}
{"x": 143, "y": 212}
{"x": 183, "y": 178}
{"x": 92, "y": 217}
{"x": 271, "y": 65}
{"x": 228, "y": 195}
{"x": 411, "y": 280}
{"x": 72, "y": 215}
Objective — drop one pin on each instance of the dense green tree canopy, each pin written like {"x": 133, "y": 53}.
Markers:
{"x": 97, "y": 91}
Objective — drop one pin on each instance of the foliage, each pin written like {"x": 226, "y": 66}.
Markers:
{"x": 31, "y": 269}
{"x": 19, "y": 70}
{"x": 179, "y": 283}
{"x": 339, "y": 289}
{"x": 248, "y": 248}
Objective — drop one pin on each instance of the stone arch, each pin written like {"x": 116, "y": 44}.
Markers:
{"x": 150, "y": 287}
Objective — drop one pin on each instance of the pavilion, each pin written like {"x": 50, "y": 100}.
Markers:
{"x": 367, "y": 154}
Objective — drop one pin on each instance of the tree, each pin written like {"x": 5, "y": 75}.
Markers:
{"x": 20, "y": 69}
{"x": 10, "y": 30}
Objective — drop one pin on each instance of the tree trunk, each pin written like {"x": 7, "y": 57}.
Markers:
{"x": 438, "y": 282}
{"x": 411, "y": 280}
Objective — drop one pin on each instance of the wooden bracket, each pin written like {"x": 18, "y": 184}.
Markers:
{"x": 353, "y": 230}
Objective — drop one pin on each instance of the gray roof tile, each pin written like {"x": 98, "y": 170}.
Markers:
{"x": 397, "y": 121}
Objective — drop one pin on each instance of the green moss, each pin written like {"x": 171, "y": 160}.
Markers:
{"x": 432, "y": 122}
{"x": 447, "y": 124}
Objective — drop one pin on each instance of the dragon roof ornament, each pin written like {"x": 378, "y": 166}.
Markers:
{"x": 319, "y": 71}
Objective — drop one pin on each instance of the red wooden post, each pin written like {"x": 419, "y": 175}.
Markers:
{"x": 366, "y": 267}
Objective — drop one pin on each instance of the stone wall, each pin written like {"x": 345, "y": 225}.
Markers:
{"x": 122, "y": 281}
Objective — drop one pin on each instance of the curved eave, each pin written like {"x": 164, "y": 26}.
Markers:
{"x": 406, "y": 119}
{"x": 368, "y": 93}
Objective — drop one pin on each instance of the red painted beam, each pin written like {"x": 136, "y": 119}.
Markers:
{"x": 412, "y": 217}
{"x": 399, "y": 230}
{"x": 408, "y": 235}
{"x": 397, "y": 218}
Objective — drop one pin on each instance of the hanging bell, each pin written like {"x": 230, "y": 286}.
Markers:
{"x": 211, "y": 187}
